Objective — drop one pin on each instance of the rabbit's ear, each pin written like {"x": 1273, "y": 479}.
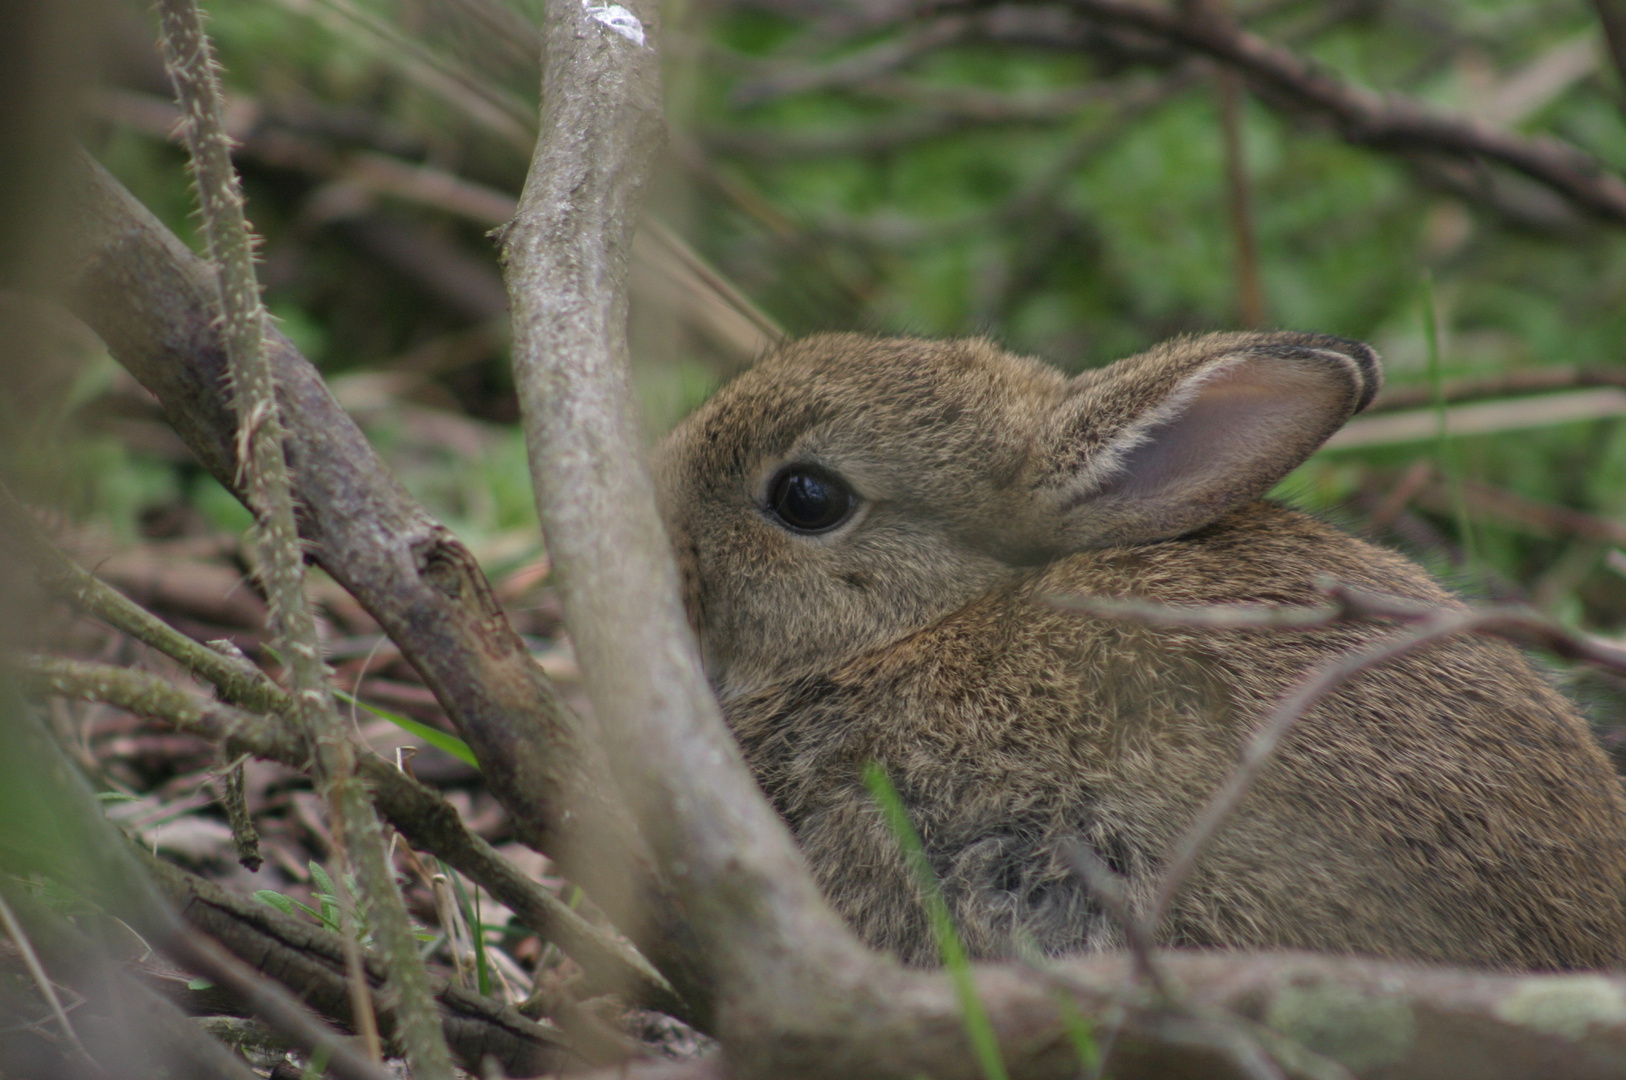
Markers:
{"x": 1165, "y": 442}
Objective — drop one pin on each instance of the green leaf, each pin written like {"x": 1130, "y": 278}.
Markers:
{"x": 328, "y": 894}
{"x": 471, "y": 916}
{"x": 433, "y": 736}
{"x": 282, "y": 903}
{"x": 323, "y": 882}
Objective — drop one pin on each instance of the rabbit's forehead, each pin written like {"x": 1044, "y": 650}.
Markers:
{"x": 927, "y": 403}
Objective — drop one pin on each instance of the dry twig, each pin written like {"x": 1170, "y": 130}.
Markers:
{"x": 423, "y": 817}
{"x": 1108, "y": 890}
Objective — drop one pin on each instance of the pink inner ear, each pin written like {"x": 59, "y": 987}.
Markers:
{"x": 1244, "y": 426}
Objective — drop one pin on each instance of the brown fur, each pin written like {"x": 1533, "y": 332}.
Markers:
{"x": 1447, "y": 807}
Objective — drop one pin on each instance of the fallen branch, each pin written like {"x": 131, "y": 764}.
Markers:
{"x": 1517, "y": 513}
{"x": 1513, "y": 384}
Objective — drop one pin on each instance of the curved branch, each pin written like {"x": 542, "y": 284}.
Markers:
{"x": 1366, "y": 118}
{"x": 751, "y": 903}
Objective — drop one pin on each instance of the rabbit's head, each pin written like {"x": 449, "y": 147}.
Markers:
{"x": 848, "y": 490}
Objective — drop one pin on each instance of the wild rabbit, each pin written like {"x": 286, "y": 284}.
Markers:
{"x": 868, "y": 530}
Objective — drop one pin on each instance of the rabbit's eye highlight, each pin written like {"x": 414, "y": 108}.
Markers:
{"x": 808, "y": 499}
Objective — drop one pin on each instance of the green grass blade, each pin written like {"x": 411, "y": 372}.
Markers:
{"x": 433, "y": 736}
{"x": 1445, "y": 455}
{"x": 1080, "y": 1032}
{"x": 978, "y": 1028}
{"x": 477, "y": 930}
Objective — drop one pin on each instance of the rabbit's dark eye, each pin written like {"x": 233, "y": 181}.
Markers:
{"x": 809, "y": 499}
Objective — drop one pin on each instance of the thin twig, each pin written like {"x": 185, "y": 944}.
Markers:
{"x": 1108, "y": 890}
{"x": 1364, "y": 117}
{"x": 271, "y": 1003}
{"x": 36, "y": 971}
{"x": 421, "y": 815}
{"x": 1512, "y": 384}
{"x": 362, "y": 1013}
{"x": 1231, "y": 1038}
{"x": 1262, "y": 748}
{"x": 1612, "y": 16}
{"x": 233, "y": 799}
{"x": 237, "y": 679}
{"x": 1515, "y": 512}
{"x": 718, "y": 308}
{"x": 861, "y": 67}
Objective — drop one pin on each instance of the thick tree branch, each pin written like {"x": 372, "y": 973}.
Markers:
{"x": 149, "y": 298}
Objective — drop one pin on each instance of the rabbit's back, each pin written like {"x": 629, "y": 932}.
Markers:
{"x": 1448, "y": 806}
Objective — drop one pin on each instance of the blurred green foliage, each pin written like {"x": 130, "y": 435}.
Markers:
{"x": 1066, "y": 199}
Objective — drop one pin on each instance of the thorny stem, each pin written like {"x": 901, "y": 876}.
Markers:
{"x": 260, "y": 459}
